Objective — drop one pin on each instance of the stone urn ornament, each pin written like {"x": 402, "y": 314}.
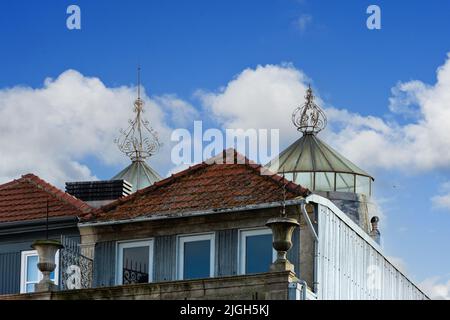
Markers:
{"x": 46, "y": 251}
{"x": 282, "y": 229}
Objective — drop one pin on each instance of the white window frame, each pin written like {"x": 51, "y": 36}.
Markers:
{"x": 243, "y": 234}
{"x": 133, "y": 244}
{"x": 182, "y": 239}
{"x": 24, "y": 267}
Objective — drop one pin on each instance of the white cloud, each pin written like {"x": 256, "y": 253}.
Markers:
{"x": 442, "y": 201}
{"x": 422, "y": 144}
{"x": 49, "y": 131}
{"x": 303, "y": 21}
{"x": 436, "y": 288}
{"x": 179, "y": 111}
{"x": 259, "y": 98}
{"x": 265, "y": 97}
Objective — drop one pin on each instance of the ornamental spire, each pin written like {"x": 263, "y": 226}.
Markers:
{"x": 309, "y": 118}
{"x": 139, "y": 141}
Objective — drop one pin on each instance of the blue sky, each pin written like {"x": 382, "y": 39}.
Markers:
{"x": 186, "y": 46}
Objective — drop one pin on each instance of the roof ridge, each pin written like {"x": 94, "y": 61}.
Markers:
{"x": 56, "y": 192}
{"x": 9, "y": 183}
{"x": 292, "y": 187}
{"x": 281, "y": 180}
{"x": 155, "y": 185}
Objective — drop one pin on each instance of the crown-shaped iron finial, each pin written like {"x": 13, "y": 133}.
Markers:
{"x": 139, "y": 141}
{"x": 309, "y": 118}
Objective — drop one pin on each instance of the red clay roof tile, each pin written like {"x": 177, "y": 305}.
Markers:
{"x": 206, "y": 186}
{"x": 26, "y": 199}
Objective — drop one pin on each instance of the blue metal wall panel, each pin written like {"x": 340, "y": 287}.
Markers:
{"x": 10, "y": 273}
{"x": 164, "y": 262}
{"x": 104, "y": 264}
{"x": 226, "y": 252}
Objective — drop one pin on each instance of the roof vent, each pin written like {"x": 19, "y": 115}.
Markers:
{"x": 98, "y": 193}
{"x": 375, "y": 233}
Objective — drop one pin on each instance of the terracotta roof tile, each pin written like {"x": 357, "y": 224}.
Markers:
{"x": 26, "y": 199}
{"x": 206, "y": 186}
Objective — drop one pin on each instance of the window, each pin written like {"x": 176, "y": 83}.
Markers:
{"x": 256, "y": 252}
{"x": 324, "y": 181}
{"x": 196, "y": 256}
{"x": 135, "y": 262}
{"x": 345, "y": 182}
{"x": 30, "y": 274}
{"x": 363, "y": 185}
{"x": 305, "y": 179}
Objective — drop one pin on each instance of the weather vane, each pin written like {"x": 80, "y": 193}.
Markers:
{"x": 139, "y": 141}
{"x": 309, "y": 118}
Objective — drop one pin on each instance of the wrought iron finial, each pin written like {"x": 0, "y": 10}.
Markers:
{"x": 309, "y": 118}
{"x": 139, "y": 141}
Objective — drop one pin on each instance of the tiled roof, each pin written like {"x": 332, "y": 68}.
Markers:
{"x": 206, "y": 186}
{"x": 26, "y": 199}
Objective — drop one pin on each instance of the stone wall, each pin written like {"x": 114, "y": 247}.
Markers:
{"x": 358, "y": 207}
{"x": 264, "y": 286}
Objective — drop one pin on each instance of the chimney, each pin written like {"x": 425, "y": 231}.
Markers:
{"x": 99, "y": 193}
{"x": 375, "y": 233}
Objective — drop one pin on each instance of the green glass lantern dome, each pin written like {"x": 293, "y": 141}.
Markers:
{"x": 312, "y": 163}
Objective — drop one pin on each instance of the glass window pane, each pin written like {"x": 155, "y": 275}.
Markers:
{"x": 258, "y": 251}
{"x": 289, "y": 176}
{"x": 324, "y": 181}
{"x": 345, "y": 182}
{"x": 135, "y": 265}
{"x": 196, "y": 259}
{"x": 30, "y": 287}
{"x": 32, "y": 269}
{"x": 305, "y": 179}
{"x": 363, "y": 185}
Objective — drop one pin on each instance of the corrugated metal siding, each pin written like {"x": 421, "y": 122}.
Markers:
{"x": 226, "y": 252}
{"x": 10, "y": 273}
{"x": 350, "y": 267}
{"x": 104, "y": 264}
{"x": 164, "y": 262}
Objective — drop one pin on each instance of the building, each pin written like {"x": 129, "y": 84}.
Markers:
{"x": 203, "y": 233}
{"x": 32, "y": 209}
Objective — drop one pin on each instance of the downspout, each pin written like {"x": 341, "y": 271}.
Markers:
{"x": 316, "y": 248}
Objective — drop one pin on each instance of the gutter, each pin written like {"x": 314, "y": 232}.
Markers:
{"x": 156, "y": 217}
{"x": 37, "y": 225}
{"x": 316, "y": 247}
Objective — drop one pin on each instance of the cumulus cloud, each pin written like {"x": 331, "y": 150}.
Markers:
{"x": 436, "y": 288}
{"x": 422, "y": 144}
{"x": 303, "y": 21}
{"x": 264, "y": 97}
{"x": 442, "y": 201}
{"x": 50, "y": 131}
{"x": 259, "y": 98}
